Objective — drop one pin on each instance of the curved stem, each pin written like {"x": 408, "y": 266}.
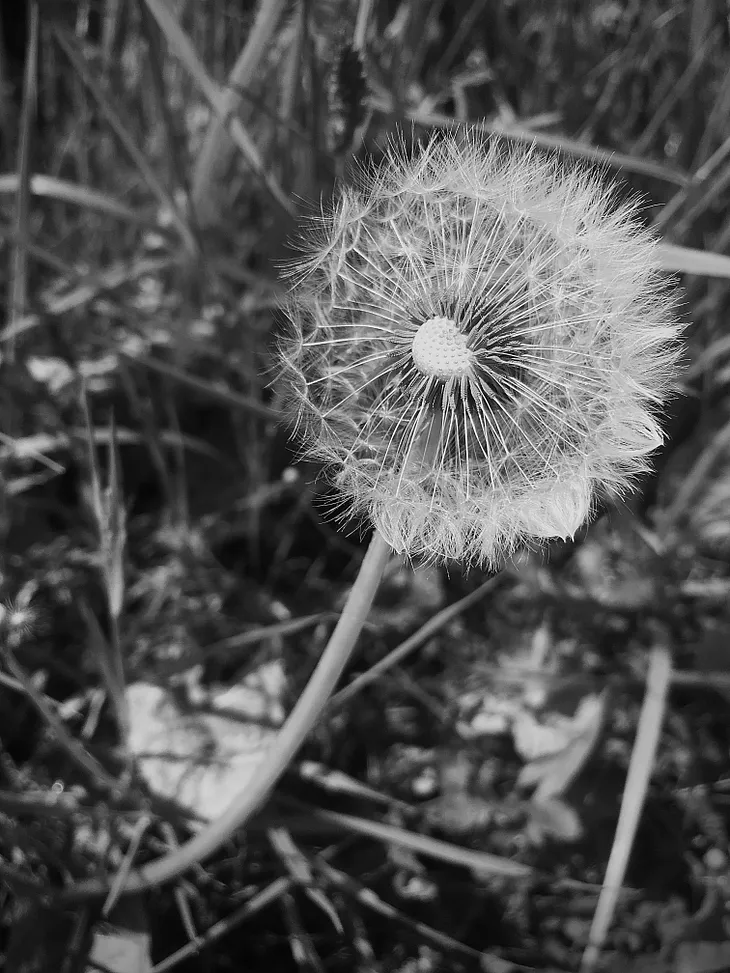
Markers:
{"x": 302, "y": 718}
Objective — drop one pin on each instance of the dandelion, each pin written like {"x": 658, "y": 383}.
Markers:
{"x": 480, "y": 344}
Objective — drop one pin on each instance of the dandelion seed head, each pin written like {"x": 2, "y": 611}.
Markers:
{"x": 480, "y": 343}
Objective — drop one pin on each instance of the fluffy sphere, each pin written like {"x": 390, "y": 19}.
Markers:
{"x": 480, "y": 342}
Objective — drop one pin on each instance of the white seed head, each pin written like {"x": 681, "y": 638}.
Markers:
{"x": 480, "y": 342}
{"x": 440, "y": 350}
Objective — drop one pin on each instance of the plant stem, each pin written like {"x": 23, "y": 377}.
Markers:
{"x": 643, "y": 760}
{"x": 302, "y": 718}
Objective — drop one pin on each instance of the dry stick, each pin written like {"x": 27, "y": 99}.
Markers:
{"x": 308, "y": 708}
{"x": 479, "y": 861}
{"x": 658, "y": 680}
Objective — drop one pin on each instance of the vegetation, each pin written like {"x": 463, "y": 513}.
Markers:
{"x": 524, "y": 771}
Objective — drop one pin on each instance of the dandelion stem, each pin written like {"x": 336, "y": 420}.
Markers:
{"x": 308, "y": 708}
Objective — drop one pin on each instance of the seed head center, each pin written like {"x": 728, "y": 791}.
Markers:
{"x": 439, "y": 349}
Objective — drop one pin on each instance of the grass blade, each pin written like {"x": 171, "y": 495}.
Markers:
{"x": 18, "y": 289}
{"x": 685, "y": 260}
{"x": 174, "y": 137}
{"x": 180, "y": 43}
{"x": 126, "y": 140}
{"x": 217, "y": 146}
{"x": 658, "y": 680}
{"x": 63, "y": 191}
{"x": 571, "y": 147}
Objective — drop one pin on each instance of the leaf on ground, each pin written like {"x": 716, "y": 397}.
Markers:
{"x": 201, "y": 755}
{"x": 120, "y": 951}
{"x": 122, "y": 941}
{"x": 558, "y": 748}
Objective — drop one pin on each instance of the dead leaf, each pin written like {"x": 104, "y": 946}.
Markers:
{"x": 554, "y": 769}
{"x": 201, "y": 756}
{"x": 122, "y": 943}
{"x": 120, "y": 951}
